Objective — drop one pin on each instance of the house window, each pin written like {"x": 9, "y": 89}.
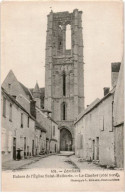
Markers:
{"x": 10, "y": 113}
{"x": 63, "y": 110}
{"x": 64, "y": 84}
{"x": 101, "y": 123}
{"x": 28, "y": 121}
{"x": 53, "y": 130}
{"x": 4, "y": 106}
{"x": 21, "y": 120}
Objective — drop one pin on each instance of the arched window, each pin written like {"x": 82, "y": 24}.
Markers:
{"x": 68, "y": 37}
{"x": 64, "y": 84}
{"x": 63, "y": 110}
{"x": 60, "y": 38}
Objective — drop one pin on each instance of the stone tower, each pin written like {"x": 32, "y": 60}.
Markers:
{"x": 64, "y": 87}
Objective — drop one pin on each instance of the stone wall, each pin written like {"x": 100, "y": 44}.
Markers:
{"x": 119, "y": 119}
{"x": 95, "y": 132}
{"x": 40, "y": 142}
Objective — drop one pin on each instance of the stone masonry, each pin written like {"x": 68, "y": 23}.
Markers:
{"x": 64, "y": 87}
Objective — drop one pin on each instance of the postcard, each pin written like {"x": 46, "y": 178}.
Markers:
{"x": 62, "y": 96}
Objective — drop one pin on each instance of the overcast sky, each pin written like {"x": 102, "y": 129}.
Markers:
{"x": 24, "y": 36}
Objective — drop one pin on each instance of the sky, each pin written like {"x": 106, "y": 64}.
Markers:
{"x": 23, "y": 39}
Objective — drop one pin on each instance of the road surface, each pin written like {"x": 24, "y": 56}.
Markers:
{"x": 60, "y": 162}
{"x": 54, "y": 161}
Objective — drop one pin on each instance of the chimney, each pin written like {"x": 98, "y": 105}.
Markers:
{"x": 9, "y": 88}
{"x": 115, "y": 67}
{"x": 32, "y": 108}
{"x": 106, "y": 90}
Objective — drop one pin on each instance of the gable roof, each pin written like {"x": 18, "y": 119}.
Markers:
{"x": 40, "y": 127}
{"x": 37, "y": 124}
{"x": 93, "y": 105}
{"x": 26, "y": 90}
{"x": 16, "y": 86}
{"x": 16, "y": 103}
{"x": 52, "y": 119}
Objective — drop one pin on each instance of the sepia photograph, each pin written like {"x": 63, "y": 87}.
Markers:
{"x": 62, "y": 95}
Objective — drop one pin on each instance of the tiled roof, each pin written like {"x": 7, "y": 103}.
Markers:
{"x": 39, "y": 126}
{"x": 17, "y": 103}
{"x": 52, "y": 119}
{"x": 93, "y": 105}
{"x": 26, "y": 90}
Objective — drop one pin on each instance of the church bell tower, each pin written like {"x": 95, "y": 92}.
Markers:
{"x": 64, "y": 81}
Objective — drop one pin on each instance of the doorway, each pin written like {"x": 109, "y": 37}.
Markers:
{"x": 24, "y": 147}
{"x": 14, "y": 148}
{"x": 55, "y": 148}
{"x": 32, "y": 147}
{"x": 93, "y": 148}
{"x": 65, "y": 140}
{"x": 97, "y": 141}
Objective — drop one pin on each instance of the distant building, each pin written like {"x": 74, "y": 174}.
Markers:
{"x": 42, "y": 116}
{"x": 40, "y": 139}
{"x": 55, "y": 137}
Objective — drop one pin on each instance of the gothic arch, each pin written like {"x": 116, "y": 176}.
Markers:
{"x": 65, "y": 139}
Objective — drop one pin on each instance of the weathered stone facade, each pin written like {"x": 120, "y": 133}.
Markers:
{"x": 64, "y": 89}
{"x": 119, "y": 119}
{"x": 99, "y": 129}
{"x": 94, "y": 132}
{"x": 36, "y": 139}
{"x": 18, "y": 129}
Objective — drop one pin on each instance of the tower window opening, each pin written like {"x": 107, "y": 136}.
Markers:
{"x": 68, "y": 37}
{"x": 60, "y": 26}
{"x": 60, "y": 43}
{"x": 63, "y": 111}
{"x": 64, "y": 84}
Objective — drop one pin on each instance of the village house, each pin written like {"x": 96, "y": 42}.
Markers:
{"x": 119, "y": 120}
{"x": 18, "y": 129}
{"x": 40, "y": 139}
{"x": 55, "y": 137}
{"x": 42, "y": 116}
{"x": 33, "y": 102}
{"x": 94, "y": 128}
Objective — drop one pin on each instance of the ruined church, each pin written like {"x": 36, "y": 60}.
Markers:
{"x": 64, "y": 87}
